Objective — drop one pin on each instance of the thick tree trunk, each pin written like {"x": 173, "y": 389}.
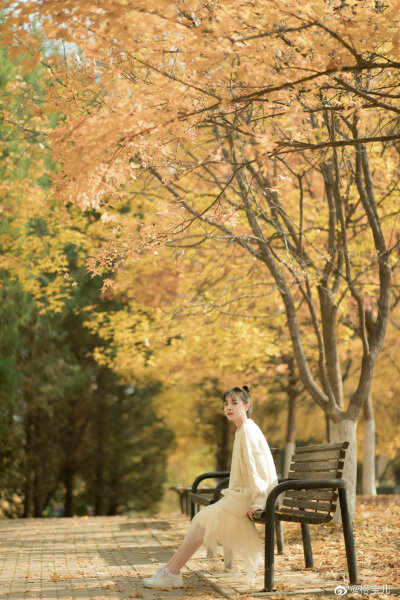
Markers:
{"x": 368, "y": 479}
{"x": 345, "y": 431}
{"x": 332, "y": 361}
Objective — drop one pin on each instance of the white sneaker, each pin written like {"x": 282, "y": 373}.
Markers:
{"x": 163, "y": 578}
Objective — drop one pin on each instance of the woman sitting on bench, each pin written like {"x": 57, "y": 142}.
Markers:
{"x": 227, "y": 522}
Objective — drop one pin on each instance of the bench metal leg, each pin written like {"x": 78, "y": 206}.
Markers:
{"x": 348, "y": 537}
{"x": 269, "y": 546}
{"x": 308, "y": 557}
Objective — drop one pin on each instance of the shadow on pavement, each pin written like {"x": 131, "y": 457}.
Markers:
{"x": 145, "y": 526}
{"x": 143, "y": 555}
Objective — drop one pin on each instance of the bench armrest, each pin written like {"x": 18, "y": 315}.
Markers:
{"x": 220, "y": 486}
{"x": 210, "y": 475}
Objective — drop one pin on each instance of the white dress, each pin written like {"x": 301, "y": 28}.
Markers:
{"x": 252, "y": 477}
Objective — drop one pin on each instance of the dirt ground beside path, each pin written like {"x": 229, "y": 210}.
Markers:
{"x": 105, "y": 558}
{"x": 377, "y": 540}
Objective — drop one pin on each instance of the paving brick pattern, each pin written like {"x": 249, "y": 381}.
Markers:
{"x": 105, "y": 558}
{"x": 97, "y": 558}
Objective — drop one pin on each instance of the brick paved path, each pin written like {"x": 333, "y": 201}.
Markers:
{"x": 104, "y": 558}
{"x": 98, "y": 558}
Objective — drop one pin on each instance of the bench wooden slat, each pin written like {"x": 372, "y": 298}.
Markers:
{"x": 317, "y": 466}
{"x": 308, "y": 494}
{"x": 203, "y": 499}
{"x": 318, "y": 506}
{"x": 185, "y": 489}
{"x": 318, "y": 456}
{"x": 301, "y": 516}
{"x": 315, "y": 475}
{"x": 301, "y": 512}
{"x": 323, "y": 447}
{"x": 295, "y": 516}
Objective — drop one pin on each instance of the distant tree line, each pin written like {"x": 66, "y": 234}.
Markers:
{"x": 72, "y": 438}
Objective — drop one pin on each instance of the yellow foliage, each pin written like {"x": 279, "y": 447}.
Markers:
{"x": 264, "y": 129}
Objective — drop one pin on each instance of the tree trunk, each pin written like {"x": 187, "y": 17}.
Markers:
{"x": 29, "y": 470}
{"x": 345, "y": 431}
{"x": 223, "y": 450}
{"x": 38, "y": 490}
{"x": 28, "y": 499}
{"x": 69, "y": 489}
{"x": 289, "y": 450}
{"x": 99, "y": 505}
{"x": 368, "y": 478}
{"x": 291, "y": 421}
{"x": 114, "y": 492}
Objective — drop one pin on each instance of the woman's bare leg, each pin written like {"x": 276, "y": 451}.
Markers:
{"x": 186, "y": 550}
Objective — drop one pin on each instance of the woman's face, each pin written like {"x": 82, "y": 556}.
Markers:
{"x": 235, "y": 410}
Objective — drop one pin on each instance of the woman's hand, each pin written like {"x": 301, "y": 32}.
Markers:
{"x": 252, "y": 510}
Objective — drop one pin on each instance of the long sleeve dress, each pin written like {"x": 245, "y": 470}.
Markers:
{"x": 252, "y": 477}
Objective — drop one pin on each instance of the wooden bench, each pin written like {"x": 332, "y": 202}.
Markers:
{"x": 311, "y": 492}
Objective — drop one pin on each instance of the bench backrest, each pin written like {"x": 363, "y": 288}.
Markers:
{"x": 315, "y": 462}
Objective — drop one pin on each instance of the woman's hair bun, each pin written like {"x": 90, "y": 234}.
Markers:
{"x": 245, "y": 387}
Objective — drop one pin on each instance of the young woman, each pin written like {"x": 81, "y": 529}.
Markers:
{"x": 228, "y": 521}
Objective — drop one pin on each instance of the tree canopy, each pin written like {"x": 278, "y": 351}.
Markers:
{"x": 267, "y": 130}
